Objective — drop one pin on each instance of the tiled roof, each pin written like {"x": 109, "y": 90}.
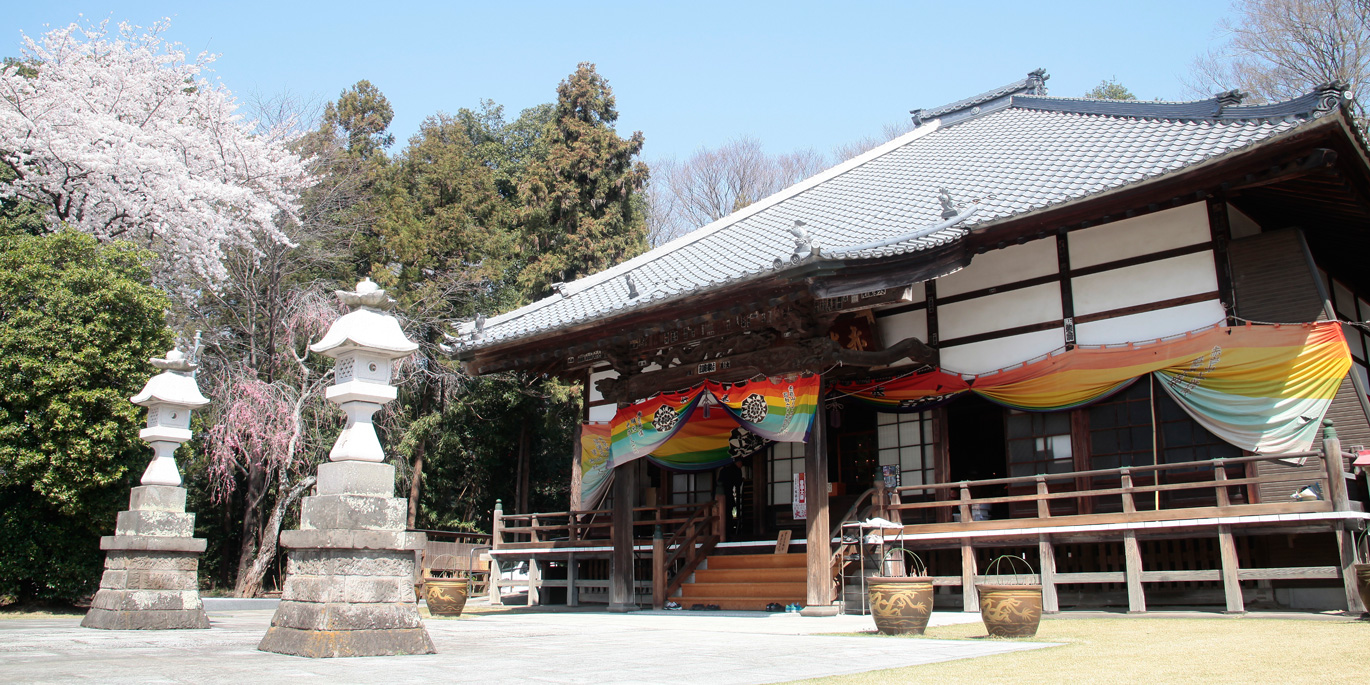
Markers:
{"x": 1012, "y": 151}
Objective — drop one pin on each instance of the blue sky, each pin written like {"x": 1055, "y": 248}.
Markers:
{"x": 793, "y": 74}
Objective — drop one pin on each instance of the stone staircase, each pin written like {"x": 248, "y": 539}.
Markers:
{"x": 746, "y": 582}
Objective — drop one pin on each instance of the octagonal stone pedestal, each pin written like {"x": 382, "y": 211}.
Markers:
{"x": 349, "y": 586}
{"x": 151, "y": 579}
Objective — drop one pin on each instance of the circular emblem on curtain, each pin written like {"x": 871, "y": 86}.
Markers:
{"x": 665, "y": 418}
{"x": 743, "y": 442}
{"x": 754, "y": 408}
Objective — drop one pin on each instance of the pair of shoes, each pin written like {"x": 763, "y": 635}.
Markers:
{"x": 671, "y": 606}
{"x": 712, "y": 607}
{"x": 697, "y": 607}
{"x": 793, "y": 608}
{"x": 775, "y": 607}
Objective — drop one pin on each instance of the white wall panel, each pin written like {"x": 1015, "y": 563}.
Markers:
{"x": 997, "y": 267}
{"x": 893, "y": 329}
{"x": 1151, "y": 282}
{"x": 996, "y": 312}
{"x": 1150, "y": 325}
{"x": 595, "y": 395}
{"x": 1241, "y": 225}
{"x": 991, "y": 355}
{"x": 604, "y": 412}
{"x": 1140, "y": 235}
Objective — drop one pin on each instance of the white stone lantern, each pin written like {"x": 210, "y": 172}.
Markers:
{"x": 365, "y": 342}
{"x": 169, "y": 398}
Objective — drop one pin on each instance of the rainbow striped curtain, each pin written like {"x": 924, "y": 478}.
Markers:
{"x": 595, "y": 463}
{"x": 705, "y": 427}
{"x": 1262, "y": 388}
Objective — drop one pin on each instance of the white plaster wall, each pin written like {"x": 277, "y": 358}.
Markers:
{"x": 603, "y": 413}
{"x": 1241, "y": 225}
{"x": 996, "y": 312}
{"x": 991, "y": 355}
{"x": 1140, "y": 235}
{"x": 1151, "y": 282}
{"x": 997, "y": 267}
{"x": 595, "y": 376}
{"x": 893, "y": 329}
{"x": 1150, "y": 325}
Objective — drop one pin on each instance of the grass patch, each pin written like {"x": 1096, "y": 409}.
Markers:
{"x": 1163, "y": 650}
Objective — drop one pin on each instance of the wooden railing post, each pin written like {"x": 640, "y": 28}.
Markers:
{"x": 879, "y": 501}
{"x": 1336, "y": 478}
{"x": 1043, "y": 504}
{"x": 1047, "y": 556}
{"x": 965, "y": 503}
{"x": 1132, "y": 552}
{"x": 721, "y": 517}
{"x": 1129, "y": 504}
{"x": 534, "y": 534}
{"x": 1219, "y": 477}
{"x": 496, "y": 539}
{"x": 658, "y": 569}
{"x": 1341, "y": 501}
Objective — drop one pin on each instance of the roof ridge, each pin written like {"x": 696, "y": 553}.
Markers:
{"x": 1223, "y": 106}
{"x": 1035, "y": 82}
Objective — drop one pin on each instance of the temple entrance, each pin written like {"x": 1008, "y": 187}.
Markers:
{"x": 976, "y": 444}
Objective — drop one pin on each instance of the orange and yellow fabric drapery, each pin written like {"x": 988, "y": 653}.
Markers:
{"x": 1263, "y": 388}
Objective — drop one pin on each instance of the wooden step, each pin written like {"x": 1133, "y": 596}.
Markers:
{"x": 736, "y": 603}
{"x": 689, "y": 590}
{"x": 734, "y": 561}
{"x": 751, "y": 575}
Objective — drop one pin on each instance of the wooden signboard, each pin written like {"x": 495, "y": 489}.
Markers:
{"x": 782, "y": 542}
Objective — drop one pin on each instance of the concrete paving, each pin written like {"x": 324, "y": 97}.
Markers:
{"x": 717, "y": 648}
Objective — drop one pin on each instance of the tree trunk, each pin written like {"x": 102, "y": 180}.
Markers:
{"x": 252, "y": 507}
{"x": 521, "y": 493}
{"x": 415, "y": 481}
{"x": 250, "y": 583}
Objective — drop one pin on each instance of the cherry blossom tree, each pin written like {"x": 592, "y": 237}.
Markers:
{"x": 272, "y": 433}
{"x": 120, "y": 135}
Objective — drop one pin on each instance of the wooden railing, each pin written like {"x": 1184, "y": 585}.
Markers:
{"x": 959, "y": 496}
{"x": 675, "y": 555}
{"x": 546, "y": 530}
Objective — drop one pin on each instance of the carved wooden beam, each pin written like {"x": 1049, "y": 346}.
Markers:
{"x": 812, "y": 355}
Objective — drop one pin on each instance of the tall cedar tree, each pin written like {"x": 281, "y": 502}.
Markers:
{"x": 580, "y": 215}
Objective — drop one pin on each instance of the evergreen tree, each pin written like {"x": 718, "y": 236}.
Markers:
{"x": 580, "y": 216}
{"x": 78, "y": 323}
{"x": 1110, "y": 89}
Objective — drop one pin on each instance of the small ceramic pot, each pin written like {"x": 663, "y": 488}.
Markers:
{"x": 445, "y": 596}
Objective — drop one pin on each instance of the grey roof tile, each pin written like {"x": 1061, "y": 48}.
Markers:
{"x": 1008, "y": 154}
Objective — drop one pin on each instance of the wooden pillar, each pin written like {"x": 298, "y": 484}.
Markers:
{"x": 818, "y": 536}
{"x": 572, "y": 571}
{"x": 1232, "y": 586}
{"x": 658, "y": 569}
{"x": 621, "y": 562}
{"x": 1346, "y": 560}
{"x": 1336, "y": 469}
{"x": 496, "y": 538}
{"x": 534, "y": 582}
{"x": 577, "y": 478}
{"x": 1132, "y": 559}
{"x": 1047, "y": 556}
{"x": 970, "y": 596}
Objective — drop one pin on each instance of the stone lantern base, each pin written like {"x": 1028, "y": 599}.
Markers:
{"x": 151, "y": 579}
{"x": 349, "y": 586}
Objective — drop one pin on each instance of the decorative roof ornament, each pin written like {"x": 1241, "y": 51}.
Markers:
{"x": 917, "y": 116}
{"x": 1037, "y": 80}
{"x": 948, "y": 207}
{"x": 632, "y": 285}
{"x": 804, "y": 243}
{"x": 1330, "y": 96}
{"x": 561, "y": 289}
{"x": 1229, "y": 98}
{"x": 479, "y": 331}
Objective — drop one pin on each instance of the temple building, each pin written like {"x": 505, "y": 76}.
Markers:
{"x": 1119, "y": 340}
